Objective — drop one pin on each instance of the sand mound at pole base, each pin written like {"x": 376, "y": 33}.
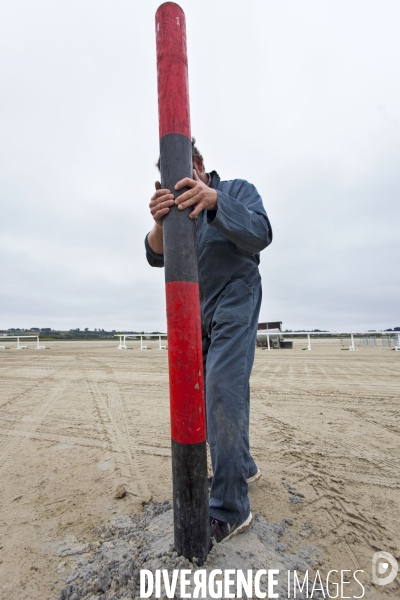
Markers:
{"x": 132, "y": 543}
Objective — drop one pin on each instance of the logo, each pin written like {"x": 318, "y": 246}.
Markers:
{"x": 381, "y": 562}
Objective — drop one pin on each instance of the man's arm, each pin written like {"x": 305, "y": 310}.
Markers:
{"x": 238, "y": 214}
{"x": 153, "y": 258}
{"x": 155, "y": 239}
{"x": 241, "y": 217}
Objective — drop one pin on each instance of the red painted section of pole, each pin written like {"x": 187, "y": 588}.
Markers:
{"x": 172, "y": 70}
{"x": 188, "y": 423}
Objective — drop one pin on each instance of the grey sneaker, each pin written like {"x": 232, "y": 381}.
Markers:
{"x": 222, "y": 532}
{"x": 254, "y": 477}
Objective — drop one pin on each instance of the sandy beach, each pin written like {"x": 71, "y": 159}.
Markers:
{"x": 79, "y": 419}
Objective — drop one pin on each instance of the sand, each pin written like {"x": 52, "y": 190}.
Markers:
{"x": 79, "y": 419}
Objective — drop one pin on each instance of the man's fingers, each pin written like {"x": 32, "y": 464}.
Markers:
{"x": 157, "y": 204}
{"x": 161, "y": 192}
{"x": 160, "y": 203}
{"x": 189, "y": 202}
{"x": 186, "y": 196}
{"x": 197, "y": 210}
{"x": 186, "y": 182}
{"x": 161, "y": 196}
{"x": 161, "y": 213}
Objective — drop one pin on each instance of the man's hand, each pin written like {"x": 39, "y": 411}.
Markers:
{"x": 160, "y": 203}
{"x": 204, "y": 197}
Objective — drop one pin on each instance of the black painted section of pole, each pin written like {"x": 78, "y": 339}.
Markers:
{"x": 180, "y": 256}
{"x": 190, "y": 511}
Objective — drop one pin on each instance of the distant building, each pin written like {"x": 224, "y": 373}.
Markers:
{"x": 270, "y": 325}
{"x": 269, "y": 335}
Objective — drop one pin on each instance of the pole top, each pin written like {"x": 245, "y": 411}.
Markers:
{"x": 169, "y": 6}
{"x": 172, "y": 71}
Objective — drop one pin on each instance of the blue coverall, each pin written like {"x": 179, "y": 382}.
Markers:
{"x": 229, "y": 241}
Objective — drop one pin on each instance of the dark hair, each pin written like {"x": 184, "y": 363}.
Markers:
{"x": 195, "y": 151}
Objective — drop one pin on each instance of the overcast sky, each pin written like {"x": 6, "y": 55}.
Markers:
{"x": 300, "y": 98}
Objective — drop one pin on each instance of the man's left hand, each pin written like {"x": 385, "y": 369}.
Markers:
{"x": 202, "y": 195}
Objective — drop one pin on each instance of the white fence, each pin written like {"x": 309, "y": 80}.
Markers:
{"x": 22, "y": 337}
{"x": 124, "y": 336}
{"x": 368, "y": 339}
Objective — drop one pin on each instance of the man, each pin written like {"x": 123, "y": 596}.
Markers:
{"x": 232, "y": 229}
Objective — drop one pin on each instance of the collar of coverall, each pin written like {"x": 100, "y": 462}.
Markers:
{"x": 213, "y": 179}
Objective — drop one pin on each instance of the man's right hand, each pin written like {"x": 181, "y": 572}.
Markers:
{"x": 160, "y": 203}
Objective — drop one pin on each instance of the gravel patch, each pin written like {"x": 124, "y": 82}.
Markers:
{"x": 131, "y": 543}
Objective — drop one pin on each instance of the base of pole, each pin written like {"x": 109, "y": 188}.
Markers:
{"x": 190, "y": 500}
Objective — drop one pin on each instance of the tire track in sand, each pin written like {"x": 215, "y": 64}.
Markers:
{"x": 310, "y": 465}
{"x": 27, "y": 425}
{"x": 112, "y": 416}
{"x": 29, "y": 389}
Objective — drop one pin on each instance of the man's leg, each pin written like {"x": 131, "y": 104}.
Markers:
{"x": 228, "y": 366}
{"x": 252, "y": 469}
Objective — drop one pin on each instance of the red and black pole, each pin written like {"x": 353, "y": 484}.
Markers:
{"x": 188, "y": 423}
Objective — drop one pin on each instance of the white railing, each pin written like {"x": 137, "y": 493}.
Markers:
{"x": 352, "y": 335}
{"x": 22, "y": 337}
{"x": 124, "y": 336}
{"x": 273, "y": 334}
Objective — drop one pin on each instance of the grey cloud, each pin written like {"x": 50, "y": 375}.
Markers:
{"x": 302, "y": 99}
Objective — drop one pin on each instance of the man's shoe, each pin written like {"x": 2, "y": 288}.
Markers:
{"x": 254, "y": 477}
{"x": 250, "y": 479}
{"x": 221, "y": 531}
